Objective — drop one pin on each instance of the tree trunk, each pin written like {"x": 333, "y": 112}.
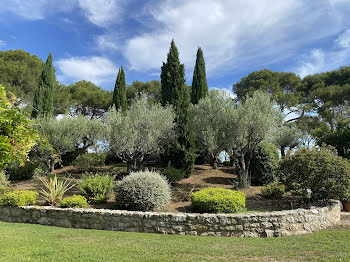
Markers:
{"x": 214, "y": 163}
{"x": 243, "y": 173}
{"x": 283, "y": 151}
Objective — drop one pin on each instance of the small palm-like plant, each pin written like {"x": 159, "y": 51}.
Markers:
{"x": 55, "y": 188}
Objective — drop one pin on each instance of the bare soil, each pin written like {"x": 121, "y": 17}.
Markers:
{"x": 203, "y": 176}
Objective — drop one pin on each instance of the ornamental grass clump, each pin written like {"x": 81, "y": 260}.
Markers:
{"x": 55, "y": 188}
{"x": 143, "y": 191}
{"x": 19, "y": 198}
{"x": 218, "y": 200}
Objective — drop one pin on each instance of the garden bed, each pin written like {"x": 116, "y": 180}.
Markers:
{"x": 203, "y": 176}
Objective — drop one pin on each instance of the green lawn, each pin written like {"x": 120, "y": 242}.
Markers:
{"x": 24, "y": 242}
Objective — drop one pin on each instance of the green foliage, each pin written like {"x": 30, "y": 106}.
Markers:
{"x": 319, "y": 169}
{"x": 119, "y": 93}
{"x": 17, "y": 136}
{"x": 55, "y": 188}
{"x": 181, "y": 153}
{"x": 287, "y": 136}
{"x": 97, "y": 188}
{"x": 88, "y": 161}
{"x": 282, "y": 86}
{"x": 218, "y": 200}
{"x": 140, "y": 131}
{"x": 152, "y": 90}
{"x": 172, "y": 174}
{"x": 4, "y": 182}
{"x": 264, "y": 164}
{"x": 199, "y": 82}
{"x": 86, "y": 99}
{"x": 143, "y": 191}
{"x": 75, "y": 201}
{"x": 21, "y": 172}
{"x": 20, "y": 73}
{"x": 4, "y": 190}
{"x": 71, "y": 133}
{"x": 210, "y": 123}
{"x": 339, "y": 138}
{"x": 43, "y": 97}
{"x": 19, "y": 198}
{"x": 273, "y": 190}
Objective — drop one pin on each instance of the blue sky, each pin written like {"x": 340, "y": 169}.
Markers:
{"x": 90, "y": 39}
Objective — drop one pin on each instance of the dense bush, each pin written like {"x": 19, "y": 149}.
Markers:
{"x": 143, "y": 191}
{"x": 75, "y": 201}
{"x": 3, "y": 180}
{"x": 319, "y": 169}
{"x": 97, "y": 188}
{"x": 218, "y": 200}
{"x": 19, "y": 198}
{"x": 227, "y": 163}
{"x": 264, "y": 164}
{"x": 88, "y": 161}
{"x": 273, "y": 191}
{"x": 18, "y": 172}
{"x": 172, "y": 174}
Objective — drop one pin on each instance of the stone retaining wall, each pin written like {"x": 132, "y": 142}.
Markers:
{"x": 274, "y": 224}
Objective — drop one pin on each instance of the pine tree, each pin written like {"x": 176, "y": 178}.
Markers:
{"x": 174, "y": 92}
{"x": 199, "y": 82}
{"x": 43, "y": 97}
{"x": 119, "y": 93}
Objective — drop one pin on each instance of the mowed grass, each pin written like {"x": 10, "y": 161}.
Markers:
{"x": 25, "y": 242}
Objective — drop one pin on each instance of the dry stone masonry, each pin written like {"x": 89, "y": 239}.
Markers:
{"x": 273, "y": 224}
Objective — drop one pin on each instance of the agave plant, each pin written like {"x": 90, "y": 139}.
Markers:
{"x": 55, "y": 188}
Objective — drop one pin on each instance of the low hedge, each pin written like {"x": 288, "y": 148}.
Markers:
{"x": 19, "y": 198}
{"x": 218, "y": 200}
{"x": 75, "y": 201}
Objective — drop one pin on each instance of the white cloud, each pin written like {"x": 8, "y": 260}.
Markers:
{"x": 110, "y": 42}
{"x": 312, "y": 63}
{"x": 95, "y": 69}
{"x": 2, "y": 42}
{"x": 343, "y": 40}
{"x": 101, "y": 12}
{"x": 234, "y": 35}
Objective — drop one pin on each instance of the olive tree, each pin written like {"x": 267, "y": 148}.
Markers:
{"x": 287, "y": 137}
{"x": 210, "y": 123}
{"x": 139, "y": 131}
{"x": 70, "y": 134}
{"x": 253, "y": 121}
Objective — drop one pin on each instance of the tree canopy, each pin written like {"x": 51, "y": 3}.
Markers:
{"x": 119, "y": 93}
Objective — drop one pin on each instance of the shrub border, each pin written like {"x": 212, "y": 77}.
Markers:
{"x": 272, "y": 224}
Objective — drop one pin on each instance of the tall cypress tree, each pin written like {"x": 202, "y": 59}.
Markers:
{"x": 43, "y": 97}
{"x": 174, "y": 92}
{"x": 199, "y": 82}
{"x": 119, "y": 93}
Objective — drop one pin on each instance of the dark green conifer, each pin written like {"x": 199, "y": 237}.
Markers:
{"x": 174, "y": 92}
{"x": 119, "y": 93}
{"x": 43, "y": 97}
{"x": 199, "y": 82}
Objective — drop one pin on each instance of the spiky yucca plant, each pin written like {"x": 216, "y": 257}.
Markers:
{"x": 55, "y": 188}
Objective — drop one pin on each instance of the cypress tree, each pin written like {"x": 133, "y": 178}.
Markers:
{"x": 174, "y": 92}
{"x": 119, "y": 93}
{"x": 43, "y": 97}
{"x": 199, "y": 82}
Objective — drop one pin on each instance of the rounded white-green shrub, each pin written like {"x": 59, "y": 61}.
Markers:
{"x": 143, "y": 191}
